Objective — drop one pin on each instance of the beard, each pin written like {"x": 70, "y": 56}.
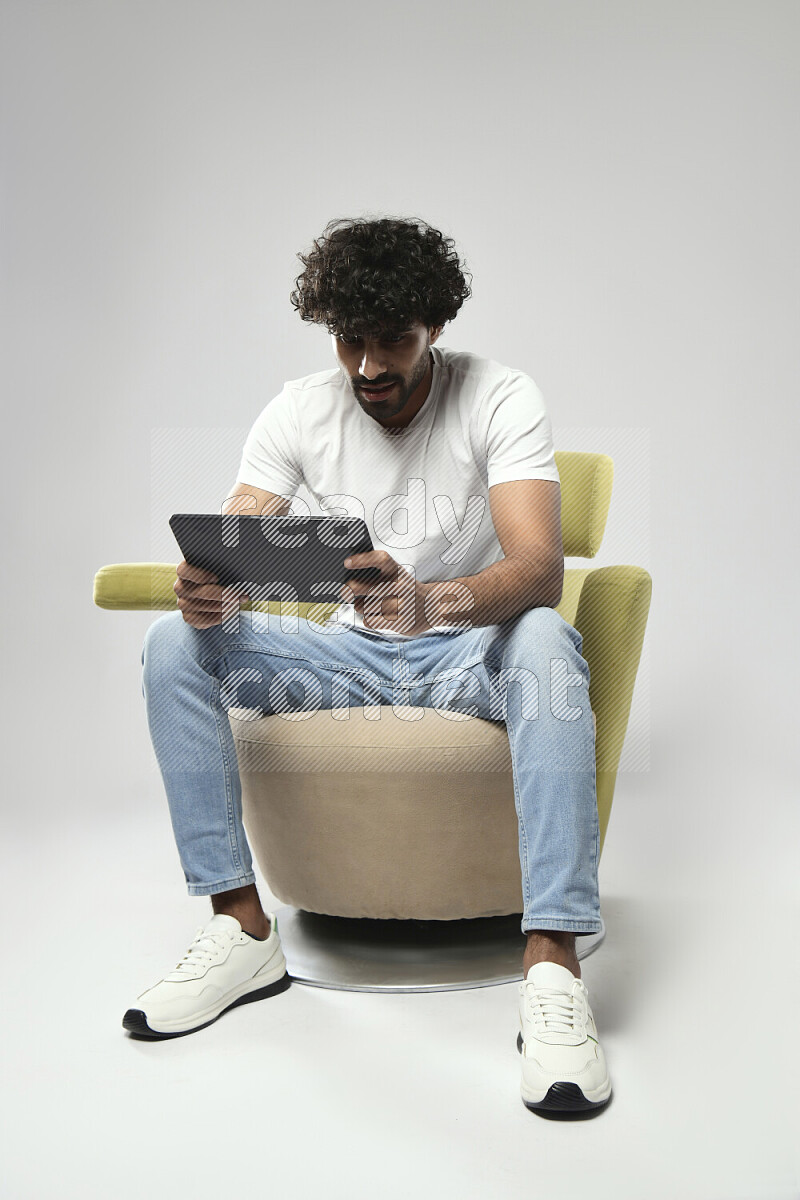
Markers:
{"x": 405, "y": 390}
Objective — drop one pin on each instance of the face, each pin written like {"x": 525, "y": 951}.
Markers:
{"x": 402, "y": 361}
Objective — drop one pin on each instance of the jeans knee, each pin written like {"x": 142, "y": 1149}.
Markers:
{"x": 161, "y": 637}
{"x": 542, "y": 633}
{"x": 543, "y": 652}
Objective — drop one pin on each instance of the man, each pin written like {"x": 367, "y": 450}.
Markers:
{"x": 449, "y": 458}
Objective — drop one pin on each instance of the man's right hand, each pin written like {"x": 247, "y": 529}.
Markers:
{"x": 199, "y": 596}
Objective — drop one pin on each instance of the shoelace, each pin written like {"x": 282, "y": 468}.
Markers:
{"x": 199, "y": 955}
{"x": 556, "y": 1013}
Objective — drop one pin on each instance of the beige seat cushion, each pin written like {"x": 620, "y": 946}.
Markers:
{"x": 407, "y": 816}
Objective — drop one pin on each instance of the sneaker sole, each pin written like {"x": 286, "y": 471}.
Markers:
{"x": 562, "y": 1099}
{"x": 135, "y": 1020}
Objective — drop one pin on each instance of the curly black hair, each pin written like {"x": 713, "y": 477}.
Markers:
{"x": 374, "y": 276}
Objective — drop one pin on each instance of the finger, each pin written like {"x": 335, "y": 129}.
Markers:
{"x": 202, "y": 591}
{"x": 201, "y": 618}
{"x": 383, "y": 602}
{"x": 364, "y": 587}
{"x": 199, "y": 606}
{"x": 371, "y": 558}
{"x": 198, "y": 622}
{"x": 379, "y": 618}
{"x": 195, "y": 574}
{"x": 375, "y": 575}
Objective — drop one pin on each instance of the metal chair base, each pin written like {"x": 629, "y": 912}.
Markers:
{"x": 358, "y": 954}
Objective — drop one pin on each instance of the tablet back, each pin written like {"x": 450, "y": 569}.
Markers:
{"x": 280, "y": 558}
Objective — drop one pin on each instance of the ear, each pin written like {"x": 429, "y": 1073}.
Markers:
{"x": 435, "y": 333}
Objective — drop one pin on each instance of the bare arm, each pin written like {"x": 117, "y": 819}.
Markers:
{"x": 527, "y": 519}
{"x": 250, "y": 501}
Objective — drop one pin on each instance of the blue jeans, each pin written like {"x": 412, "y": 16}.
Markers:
{"x": 527, "y": 672}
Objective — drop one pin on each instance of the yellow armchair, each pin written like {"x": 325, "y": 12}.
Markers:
{"x": 438, "y": 840}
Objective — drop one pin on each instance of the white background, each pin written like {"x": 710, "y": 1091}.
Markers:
{"x": 622, "y": 179}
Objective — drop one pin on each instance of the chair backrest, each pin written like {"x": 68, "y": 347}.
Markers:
{"x": 586, "y": 483}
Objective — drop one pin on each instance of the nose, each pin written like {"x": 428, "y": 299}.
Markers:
{"x": 373, "y": 362}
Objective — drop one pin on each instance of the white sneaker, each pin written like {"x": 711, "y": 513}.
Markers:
{"x": 222, "y": 968}
{"x": 563, "y": 1065}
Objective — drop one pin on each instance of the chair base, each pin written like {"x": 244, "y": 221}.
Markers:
{"x": 355, "y": 954}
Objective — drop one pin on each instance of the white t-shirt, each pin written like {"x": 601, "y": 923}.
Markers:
{"x": 423, "y": 492}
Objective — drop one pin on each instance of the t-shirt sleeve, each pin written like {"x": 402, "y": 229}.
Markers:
{"x": 519, "y": 436}
{"x": 271, "y": 455}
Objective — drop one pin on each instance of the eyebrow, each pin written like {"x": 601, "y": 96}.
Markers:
{"x": 386, "y": 333}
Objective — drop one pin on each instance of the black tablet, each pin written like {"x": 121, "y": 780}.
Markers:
{"x": 280, "y": 558}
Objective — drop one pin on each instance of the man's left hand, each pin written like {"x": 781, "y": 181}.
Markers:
{"x": 396, "y": 601}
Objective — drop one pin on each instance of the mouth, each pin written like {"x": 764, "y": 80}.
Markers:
{"x": 378, "y": 393}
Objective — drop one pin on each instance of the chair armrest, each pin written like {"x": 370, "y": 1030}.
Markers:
{"x": 136, "y": 586}
{"x": 567, "y": 606}
{"x": 150, "y": 586}
{"x": 612, "y": 615}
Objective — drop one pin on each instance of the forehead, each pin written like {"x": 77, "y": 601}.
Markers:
{"x": 376, "y": 332}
